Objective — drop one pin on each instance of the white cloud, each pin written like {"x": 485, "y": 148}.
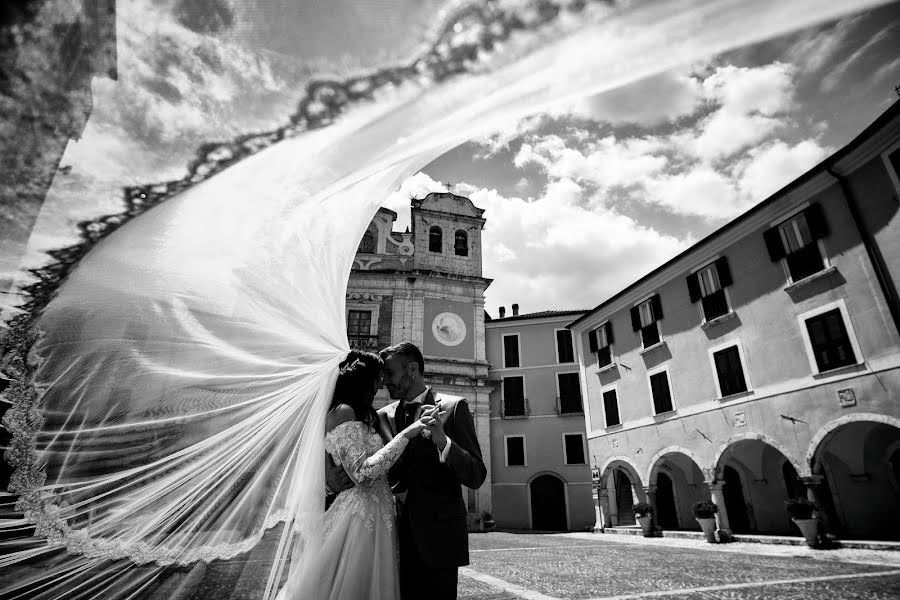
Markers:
{"x": 769, "y": 168}
{"x": 417, "y": 186}
{"x": 701, "y": 191}
{"x": 831, "y": 81}
{"x": 767, "y": 90}
{"x": 813, "y": 50}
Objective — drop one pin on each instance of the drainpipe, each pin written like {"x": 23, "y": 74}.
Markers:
{"x": 874, "y": 251}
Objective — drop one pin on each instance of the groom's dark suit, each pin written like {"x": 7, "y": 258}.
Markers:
{"x": 432, "y": 524}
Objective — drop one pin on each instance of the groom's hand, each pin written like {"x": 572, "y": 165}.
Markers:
{"x": 436, "y": 426}
{"x": 336, "y": 477}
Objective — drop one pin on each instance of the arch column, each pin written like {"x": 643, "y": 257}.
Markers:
{"x": 813, "y": 485}
{"x": 650, "y": 494}
{"x": 718, "y": 498}
{"x": 603, "y": 509}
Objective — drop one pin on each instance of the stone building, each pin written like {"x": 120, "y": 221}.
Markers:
{"x": 425, "y": 286}
{"x": 762, "y": 363}
{"x": 541, "y": 479}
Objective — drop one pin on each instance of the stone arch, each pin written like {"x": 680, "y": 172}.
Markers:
{"x": 547, "y": 472}
{"x": 831, "y": 426}
{"x": 802, "y": 470}
{"x": 620, "y": 461}
{"x": 653, "y": 468}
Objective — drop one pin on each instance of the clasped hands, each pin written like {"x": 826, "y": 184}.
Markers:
{"x": 429, "y": 425}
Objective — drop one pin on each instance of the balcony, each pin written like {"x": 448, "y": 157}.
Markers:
{"x": 514, "y": 408}
{"x": 569, "y": 405}
{"x": 363, "y": 342}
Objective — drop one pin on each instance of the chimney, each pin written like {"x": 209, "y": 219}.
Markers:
{"x": 515, "y": 310}
{"x": 502, "y": 310}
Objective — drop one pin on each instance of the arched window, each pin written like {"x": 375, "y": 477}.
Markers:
{"x": 435, "y": 239}
{"x": 367, "y": 246}
{"x": 461, "y": 243}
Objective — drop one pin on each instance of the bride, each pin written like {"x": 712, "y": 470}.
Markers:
{"x": 357, "y": 557}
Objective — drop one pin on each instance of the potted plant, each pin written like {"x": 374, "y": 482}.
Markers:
{"x": 643, "y": 512}
{"x": 705, "y": 513}
{"x": 801, "y": 511}
{"x": 487, "y": 520}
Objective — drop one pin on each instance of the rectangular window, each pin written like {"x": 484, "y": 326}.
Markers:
{"x": 359, "y": 329}
{"x": 645, "y": 317}
{"x": 829, "y": 340}
{"x": 729, "y": 371}
{"x": 565, "y": 352}
{"x": 573, "y": 446}
{"x": 600, "y": 341}
{"x": 513, "y": 396}
{"x": 795, "y": 241}
{"x": 515, "y": 451}
{"x": 662, "y": 395}
{"x": 569, "y": 393}
{"x": 611, "y": 407}
{"x": 708, "y": 286}
{"x": 511, "y": 351}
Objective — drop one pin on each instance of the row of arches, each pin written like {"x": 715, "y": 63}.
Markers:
{"x": 852, "y": 472}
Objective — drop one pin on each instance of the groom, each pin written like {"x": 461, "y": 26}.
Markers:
{"x": 432, "y": 526}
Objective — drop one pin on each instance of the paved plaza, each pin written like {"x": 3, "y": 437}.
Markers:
{"x": 583, "y": 565}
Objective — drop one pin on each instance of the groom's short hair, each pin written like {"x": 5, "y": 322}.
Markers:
{"x": 408, "y": 352}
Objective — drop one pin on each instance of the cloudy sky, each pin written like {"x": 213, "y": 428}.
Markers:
{"x": 579, "y": 202}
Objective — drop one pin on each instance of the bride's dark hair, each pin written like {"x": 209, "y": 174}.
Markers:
{"x": 358, "y": 373}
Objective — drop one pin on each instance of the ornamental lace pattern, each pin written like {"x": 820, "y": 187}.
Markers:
{"x": 360, "y": 451}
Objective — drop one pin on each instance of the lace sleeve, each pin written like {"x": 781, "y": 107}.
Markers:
{"x": 347, "y": 444}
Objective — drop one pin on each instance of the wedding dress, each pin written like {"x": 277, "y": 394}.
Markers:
{"x": 357, "y": 553}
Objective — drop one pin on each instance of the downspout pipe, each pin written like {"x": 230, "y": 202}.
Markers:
{"x": 882, "y": 274}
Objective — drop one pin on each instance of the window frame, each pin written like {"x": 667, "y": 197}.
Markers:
{"x": 603, "y": 390}
{"x": 651, "y": 373}
{"x": 786, "y": 270}
{"x": 556, "y": 331}
{"x": 893, "y": 175}
{"x": 841, "y": 305}
{"x": 656, "y": 320}
{"x": 506, "y": 449}
{"x": 518, "y": 349}
{"x": 605, "y": 328}
{"x": 465, "y": 235}
{"x": 712, "y": 263}
{"x": 440, "y": 230}
{"x": 559, "y": 393}
{"x": 524, "y": 396}
{"x": 584, "y": 452}
{"x": 741, "y": 356}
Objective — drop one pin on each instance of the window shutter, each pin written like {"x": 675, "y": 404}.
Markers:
{"x": 773, "y": 244}
{"x": 656, "y": 306}
{"x": 635, "y": 319}
{"x": 724, "y": 272}
{"x": 815, "y": 219}
{"x": 693, "y": 287}
{"x": 592, "y": 340}
{"x": 609, "y": 333}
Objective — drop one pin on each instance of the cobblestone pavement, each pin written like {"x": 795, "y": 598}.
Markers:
{"x": 583, "y": 566}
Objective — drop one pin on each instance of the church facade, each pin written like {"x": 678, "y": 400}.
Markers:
{"x": 425, "y": 286}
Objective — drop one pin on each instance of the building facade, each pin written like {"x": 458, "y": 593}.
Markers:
{"x": 425, "y": 286}
{"x": 763, "y": 363}
{"x": 539, "y": 463}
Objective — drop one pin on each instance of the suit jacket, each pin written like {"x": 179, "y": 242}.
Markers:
{"x": 434, "y": 503}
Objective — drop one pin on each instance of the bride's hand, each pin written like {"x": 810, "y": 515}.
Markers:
{"x": 420, "y": 424}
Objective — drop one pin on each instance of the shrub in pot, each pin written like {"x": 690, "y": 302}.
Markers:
{"x": 643, "y": 512}
{"x": 801, "y": 511}
{"x": 705, "y": 513}
{"x": 487, "y": 520}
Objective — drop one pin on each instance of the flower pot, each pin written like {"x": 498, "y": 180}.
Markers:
{"x": 810, "y": 530}
{"x": 488, "y": 524}
{"x": 646, "y": 525}
{"x": 708, "y": 525}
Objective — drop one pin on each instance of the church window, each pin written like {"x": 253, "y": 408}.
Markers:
{"x": 435, "y": 239}
{"x": 461, "y": 243}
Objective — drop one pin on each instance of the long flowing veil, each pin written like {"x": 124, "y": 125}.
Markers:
{"x": 169, "y": 398}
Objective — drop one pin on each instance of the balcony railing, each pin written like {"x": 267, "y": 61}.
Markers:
{"x": 363, "y": 342}
{"x": 511, "y": 408}
{"x": 566, "y": 405}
